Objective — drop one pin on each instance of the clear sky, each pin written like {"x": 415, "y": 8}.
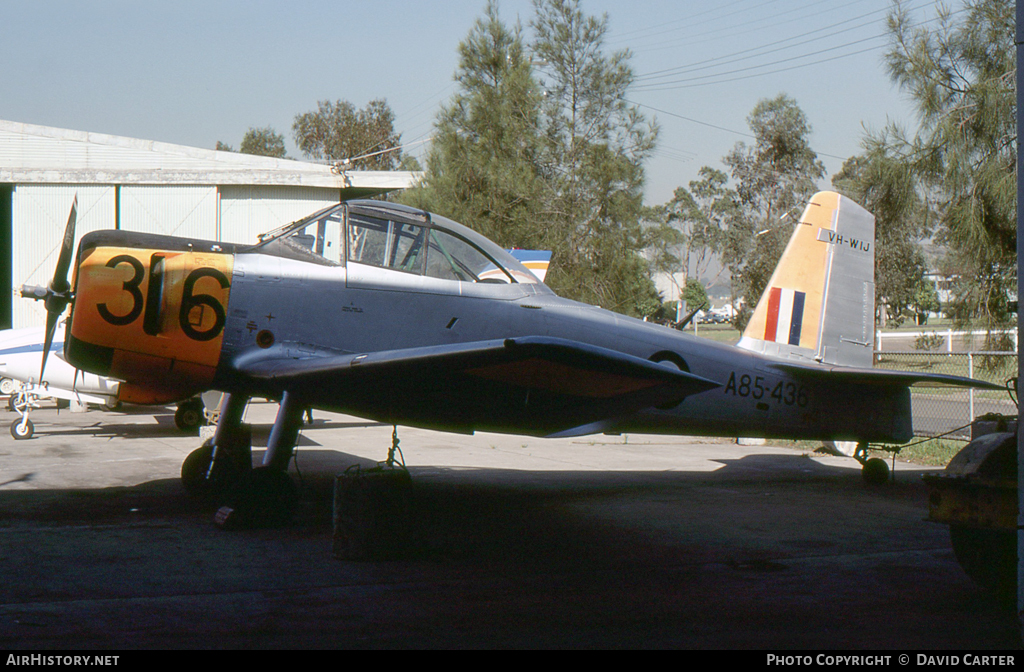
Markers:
{"x": 193, "y": 73}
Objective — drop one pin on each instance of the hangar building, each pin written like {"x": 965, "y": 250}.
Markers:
{"x": 142, "y": 185}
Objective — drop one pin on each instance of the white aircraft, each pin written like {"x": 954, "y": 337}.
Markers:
{"x": 20, "y": 353}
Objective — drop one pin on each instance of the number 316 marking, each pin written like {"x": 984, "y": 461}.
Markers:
{"x": 189, "y": 299}
{"x": 784, "y": 393}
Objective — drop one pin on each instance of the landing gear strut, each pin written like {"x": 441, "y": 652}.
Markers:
{"x": 248, "y": 497}
{"x": 211, "y": 470}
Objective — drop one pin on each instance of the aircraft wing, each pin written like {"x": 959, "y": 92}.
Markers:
{"x": 849, "y": 374}
{"x": 545, "y": 386}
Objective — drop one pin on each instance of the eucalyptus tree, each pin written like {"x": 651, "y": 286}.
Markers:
{"x": 774, "y": 177}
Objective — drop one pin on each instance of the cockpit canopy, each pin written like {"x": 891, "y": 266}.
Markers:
{"x": 386, "y": 235}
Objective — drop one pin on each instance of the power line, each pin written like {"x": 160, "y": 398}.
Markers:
{"x": 715, "y": 126}
{"x": 685, "y": 83}
{"x": 735, "y": 56}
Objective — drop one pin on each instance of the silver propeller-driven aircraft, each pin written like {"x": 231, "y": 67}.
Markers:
{"x": 408, "y": 318}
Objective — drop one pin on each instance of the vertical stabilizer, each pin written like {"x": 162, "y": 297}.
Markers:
{"x": 820, "y": 303}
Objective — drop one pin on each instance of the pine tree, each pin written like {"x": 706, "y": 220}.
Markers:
{"x": 482, "y": 167}
{"x": 595, "y": 146}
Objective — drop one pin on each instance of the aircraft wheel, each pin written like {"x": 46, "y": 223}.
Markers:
{"x": 189, "y": 416}
{"x": 875, "y": 471}
{"x": 989, "y": 557}
{"x": 22, "y": 430}
{"x": 198, "y": 480}
{"x": 7, "y": 386}
{"x": 265, "y": 497}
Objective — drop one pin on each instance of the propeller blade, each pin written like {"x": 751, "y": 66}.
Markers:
{"x": 57, "y": 293}
{"x": 51, "y": 328}
{"x": 67, "y": 249}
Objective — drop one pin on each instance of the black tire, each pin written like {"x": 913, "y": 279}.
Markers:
{"x": 875, "y": 471}
{"x": 19, "y": 431}
{"x": 195, "y": 468}
{"x": 189, "y": 417}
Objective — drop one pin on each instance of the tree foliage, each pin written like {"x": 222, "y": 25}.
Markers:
{"x": 689, "y": 231}
{"x": 263, "y": 142}
{"x": 960, "y": 74}
{"x": 338, "y": 131}
{"x": 886, "y": 187}
{"x": 482, "y": 163}
{"x": 595, "y": 146}
{"x": 773, "y": 177}
{"x": 549, "y": 158}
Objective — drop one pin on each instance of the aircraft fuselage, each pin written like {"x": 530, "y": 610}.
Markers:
{"x": 172, "y": 317}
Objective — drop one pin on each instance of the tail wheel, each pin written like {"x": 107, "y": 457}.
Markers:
{"x": 875, "y": 471}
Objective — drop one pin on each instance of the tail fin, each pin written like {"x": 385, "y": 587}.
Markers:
{"x": 820, "y": 303}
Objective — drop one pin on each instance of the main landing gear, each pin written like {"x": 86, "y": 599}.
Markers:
{"x": 221, "y": 472}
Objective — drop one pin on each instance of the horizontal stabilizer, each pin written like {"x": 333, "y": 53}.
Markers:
{"x": 846, "y": 374}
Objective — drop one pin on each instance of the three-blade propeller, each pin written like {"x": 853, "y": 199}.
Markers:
{"x": 58, "y": 294}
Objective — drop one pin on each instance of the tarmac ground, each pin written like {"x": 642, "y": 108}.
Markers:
{"x": 597, "y": 542}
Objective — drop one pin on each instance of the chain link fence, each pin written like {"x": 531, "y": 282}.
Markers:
{"x": 940, "y": 410}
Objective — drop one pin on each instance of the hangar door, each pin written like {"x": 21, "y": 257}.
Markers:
{"x": 172, "y": 210}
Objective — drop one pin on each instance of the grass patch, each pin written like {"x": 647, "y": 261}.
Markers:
{"x": 930, "y": 452}
{"x": 921, "y": 450}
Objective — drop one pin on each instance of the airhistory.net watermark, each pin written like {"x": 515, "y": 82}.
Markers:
{"x": 51, "y": 660}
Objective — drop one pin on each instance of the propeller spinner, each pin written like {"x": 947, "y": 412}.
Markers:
{"x": 58, "y": 294}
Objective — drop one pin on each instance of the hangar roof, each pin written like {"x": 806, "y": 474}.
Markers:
{"x": 42, "y": 154}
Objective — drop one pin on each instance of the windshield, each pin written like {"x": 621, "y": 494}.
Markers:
{"x": 315, "y": 238}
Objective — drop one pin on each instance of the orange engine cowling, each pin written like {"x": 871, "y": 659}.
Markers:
{"x": 153, "y": 318}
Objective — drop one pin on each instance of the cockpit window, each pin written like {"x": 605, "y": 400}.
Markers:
{"x": 397, "y": 238}
{"x": 414, "y": 248}
{"x": 386, "y": 243}
{"x": 451, "y": 258}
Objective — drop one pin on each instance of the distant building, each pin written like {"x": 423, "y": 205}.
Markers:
{"x": 142, "y": 185}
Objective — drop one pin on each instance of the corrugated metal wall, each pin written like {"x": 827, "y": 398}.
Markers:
{"x": 171, "y": 210}
{"x": 40, "y": 213}
{"x": 247, "y": 211}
